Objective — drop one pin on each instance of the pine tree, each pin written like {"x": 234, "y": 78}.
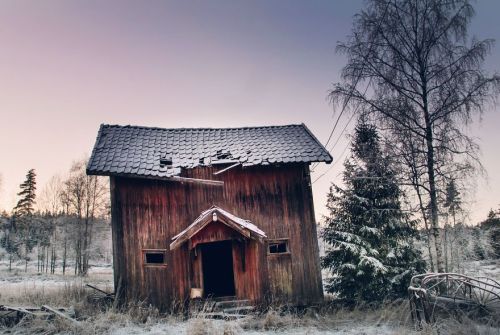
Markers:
{"x": 26, "y": 203}
{"x": 23, "y": 215}
{"x": 9, "y": 240}
{"x": 452, "y": 204}
{"x": 492, "y": 226}
{"x": 371, "y": 254}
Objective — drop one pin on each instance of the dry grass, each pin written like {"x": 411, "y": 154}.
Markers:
{"x": 329, "y": 317}
{"x": 391, "y": 318}
{"x": 69, "y": 293}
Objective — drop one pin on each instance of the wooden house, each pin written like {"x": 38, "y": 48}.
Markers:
{"x": 216, "y": 212}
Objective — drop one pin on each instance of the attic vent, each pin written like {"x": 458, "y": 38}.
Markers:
{"x": 166, "y": 161}
{"x": 223, "y": 155}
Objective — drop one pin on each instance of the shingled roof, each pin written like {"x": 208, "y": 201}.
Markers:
{"x": 162, "y": 153}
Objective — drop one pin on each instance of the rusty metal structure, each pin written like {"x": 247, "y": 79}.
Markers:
{"x": 434, "y": 294}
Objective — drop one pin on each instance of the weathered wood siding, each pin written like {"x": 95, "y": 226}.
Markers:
{"x": 148, "y": 213}
{"x": 280, "y": 275}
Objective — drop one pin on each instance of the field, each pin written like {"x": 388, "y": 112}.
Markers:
{"x": 19, "y": 288}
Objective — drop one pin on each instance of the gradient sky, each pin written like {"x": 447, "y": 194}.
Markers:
{"x": 68, "y": 66}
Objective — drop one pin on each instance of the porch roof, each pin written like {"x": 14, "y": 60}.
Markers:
{"x": 244, "y": 227}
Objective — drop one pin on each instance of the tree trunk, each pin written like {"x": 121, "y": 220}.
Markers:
{"x": 65, "y": 248}
{"x": 53, "y": 260}
{"x": 85, "y": 247}
{"x": 433, "y": 202}
{"x": 445, "y": 246}
{"x": 38, "y": 259}
{"x": 429, "y": 139}
{"x": 430, "y": 240}
{"x": 46, "y": 259}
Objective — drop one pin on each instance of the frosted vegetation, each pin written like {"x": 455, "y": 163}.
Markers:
{"x": 414, "y": 78}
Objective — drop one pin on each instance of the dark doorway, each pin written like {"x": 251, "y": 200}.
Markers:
{"x": 218, "y": 275}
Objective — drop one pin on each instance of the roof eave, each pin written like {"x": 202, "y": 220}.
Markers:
{"x": 328, "y": 161}
{"x": 210, "y": 182}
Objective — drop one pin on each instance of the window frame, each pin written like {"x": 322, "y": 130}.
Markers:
{"x": 154, "y": 251}
{"x": 278, "y": 241}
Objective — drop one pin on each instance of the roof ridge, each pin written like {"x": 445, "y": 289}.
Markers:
{"x": 133, "y": 150}
{"x": 201, "y": 128}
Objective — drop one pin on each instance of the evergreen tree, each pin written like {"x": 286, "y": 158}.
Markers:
{"x": 23, "y": 220}
{"x": 492, "y": 221}
{"x": 9, "y": 240}
{"x": 452, "y": 204}
{"x": 26, "y": 203}
{"x": 370, "y": 254}
{"x": 492, "y": 225}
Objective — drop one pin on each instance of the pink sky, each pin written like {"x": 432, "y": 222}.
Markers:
{"x": 68, "y": 66}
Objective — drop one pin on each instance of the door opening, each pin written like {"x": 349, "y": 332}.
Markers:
{"x": 218, "y": 274}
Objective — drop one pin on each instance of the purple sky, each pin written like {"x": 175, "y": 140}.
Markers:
{"x": 68, "y": 66}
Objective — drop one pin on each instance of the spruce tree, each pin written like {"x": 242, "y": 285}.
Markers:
{"x": 370, "y": 238}
{"x": 23, "y": 221}
{"x": 26, "y": 203}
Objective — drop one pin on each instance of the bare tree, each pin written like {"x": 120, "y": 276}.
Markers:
{"x": 86, "y": 196}
{"x": 426, "y": 84}
{"x": 49, "y": 199}
{"x": 51, "y": 204}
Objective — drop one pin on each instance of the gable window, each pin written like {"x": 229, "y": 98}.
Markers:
{"x": 154, "y": 257}
{"x": 278, "y": 246}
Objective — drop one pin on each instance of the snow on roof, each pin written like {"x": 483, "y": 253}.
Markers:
{"x": 158, "y": 152}
{"x": 201, "y": 222}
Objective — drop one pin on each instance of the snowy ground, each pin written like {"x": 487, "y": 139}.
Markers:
{"x": 119, "y": 324}
{"x": 20, "y": 288}
{"x": 18, "y": 285}
{"x": 486, "y": 268}
{"x": 221, "y": 327}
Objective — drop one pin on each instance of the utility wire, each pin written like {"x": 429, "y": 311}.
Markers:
{"x": 355, "y": 83}
{"x": 332, "y": 166}
{"x": 345, "y": 127}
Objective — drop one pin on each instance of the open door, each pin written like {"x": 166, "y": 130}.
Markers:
{"x": 217, "y": 265}
{"x": 215, "y": 271}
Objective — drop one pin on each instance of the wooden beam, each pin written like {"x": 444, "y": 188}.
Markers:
{"x": 197, "y": 181}
{"x": 228, "y": 168}
{"x": 187, "y": 234}
{"x": 99, "y": 290}
{"x": 56, "y": 312}
{"x": 17, "y": 309}
{"x": 209, "y": 182}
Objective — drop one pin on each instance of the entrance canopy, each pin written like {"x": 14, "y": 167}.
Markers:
{"x": 217, "y": 215}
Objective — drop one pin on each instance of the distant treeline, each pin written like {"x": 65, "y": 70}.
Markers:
{"x": 59, "y": 227}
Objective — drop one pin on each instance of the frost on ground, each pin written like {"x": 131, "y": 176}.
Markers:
{"x": 485, "y": 268}
{"x": 342, "y": 322}
{"x": 201, "y": 326}
{"x": 32, "y": 289}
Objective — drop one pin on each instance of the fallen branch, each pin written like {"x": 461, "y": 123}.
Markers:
{"x": 60, "y": 314}
{"x": 99, "y": 290}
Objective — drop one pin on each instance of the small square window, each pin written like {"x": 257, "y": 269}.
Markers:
{"x": 154, "y": 257}
{"x": 278, "y": 247}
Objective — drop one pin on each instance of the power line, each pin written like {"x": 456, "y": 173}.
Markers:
{"x": 332, "y": 166}
{"x": 353, "y": 87}
{"x": 345, "y": 127}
